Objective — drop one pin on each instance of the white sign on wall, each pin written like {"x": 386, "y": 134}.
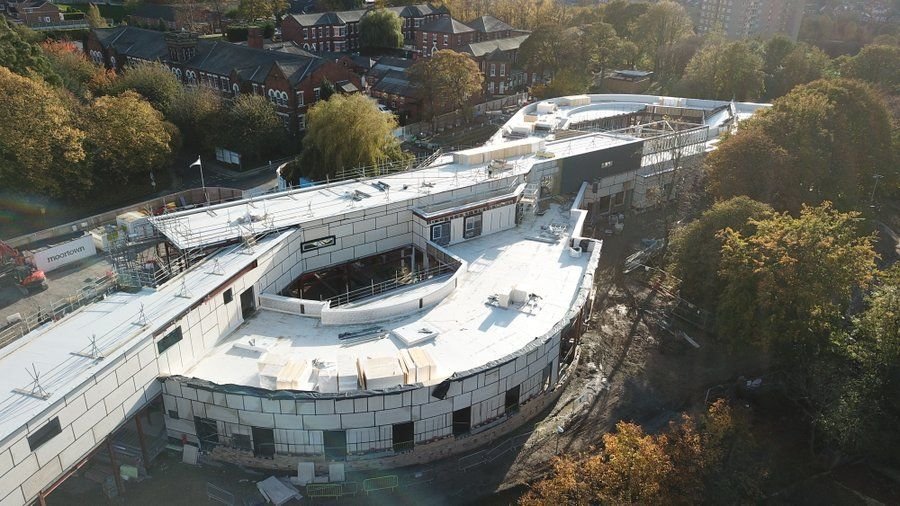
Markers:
{"x": 64, "y": 254}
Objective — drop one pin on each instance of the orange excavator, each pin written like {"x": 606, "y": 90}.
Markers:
{"x": 27, "y": 277}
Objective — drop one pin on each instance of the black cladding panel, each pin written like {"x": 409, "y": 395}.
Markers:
{"x": 593, "y": 165}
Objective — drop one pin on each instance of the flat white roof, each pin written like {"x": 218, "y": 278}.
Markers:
{"x": 112, "y": 321}
{"x": 471, "y": 333}
{"x": 233, "y": 220}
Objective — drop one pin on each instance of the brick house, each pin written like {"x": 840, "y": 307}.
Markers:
{"x": 490, "y": 28}
{"x": 443, "y": 33}
{"x": 497, "y": 60}
{"x": 291, "y": 81}
{"x": 32, "y": 12}
{"x": 339, "y": 31}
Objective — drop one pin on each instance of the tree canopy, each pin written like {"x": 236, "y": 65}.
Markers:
{"x": 658, "y": 29}
{"x": 21, "y": 56}
{"x": 197, "y": 112}
{"x": 77, "y": 74}
{"x": 790, "y": 281}
{"x": 365, "y": 133}
{"x": 696, "y": 248}
{"x": 252, "y": 128}
{"x": 695, "y": 460}
{"x": 827, "y": 140}
{"x": 126, "y": 138}
{"x": 93, "y": 17}
{"x": 446, "y": 81}
{"x": 724, "y": 71}
{"x": 876, "y": 64}
{"x": 381, "y": 28}
{"x": 150, "y": 80}
{"x": 40, "y": 145}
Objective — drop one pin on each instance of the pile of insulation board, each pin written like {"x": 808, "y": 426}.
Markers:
{"x": 502, "y": 151}
{"x": 283, "y": 372}
{"x": 417, "y": 366}
{"x": 348, "y": 374}
{"x": 381, "y": 372}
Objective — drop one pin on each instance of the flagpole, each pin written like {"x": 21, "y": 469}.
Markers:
{"x": 202, "y": 181}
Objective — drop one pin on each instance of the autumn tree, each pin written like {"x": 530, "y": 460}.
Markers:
{"x": 252, "y": 128}
{"x": 256, "y": 10}
{"x": 365, "y": 133}
{"x": 150, "y": 80}
{"x": 40, "y": 143}
{"x": 22, "y": 56}
{"x": 658, "y": 29}
{"x": 879, "y": 65}
{"x": 696, "y": 248}
{"x": 827, "y": 140}
{"x": 446, "y": 81}
{"x": 126, "y": 138}
{"x": 724, "y": 71}
{"x": 93, "y": 17}
{"x": 696, "y": 460}
{"x": 77, "y": 74}
{"x": 790, "y": 281}
{"x": 197, "y": 112}
{"x": 381, "y": 28}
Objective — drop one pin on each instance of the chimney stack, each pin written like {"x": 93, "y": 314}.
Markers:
{"x": 255, "y": 37}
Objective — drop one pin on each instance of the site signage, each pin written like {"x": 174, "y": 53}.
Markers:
{"x": 64, "y": 254}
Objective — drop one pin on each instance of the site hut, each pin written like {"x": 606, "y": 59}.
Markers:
{"x": 377, "y": 322}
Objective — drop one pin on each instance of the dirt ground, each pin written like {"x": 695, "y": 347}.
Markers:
{"x": 629, "y": 370}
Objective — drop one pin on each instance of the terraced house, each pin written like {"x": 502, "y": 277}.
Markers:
{"x": 291, "y": 81}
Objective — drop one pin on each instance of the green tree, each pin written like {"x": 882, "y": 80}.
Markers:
{"x": 828, "y": 139}
{"x": 93, "y": 17}
{"x": 724, "y": 71}
{"x": 622, "y": 14}
{"x": 697, "y": 247}
{"x": 565, "y": 82}
{"x": 775, "y": 51}
{"x": 789, "y": 283}
{"x": 126, "y": 138}
{"x": 879, "y": 65}
{"x": 22, "y": 56}
{"x": 197, "y": 112}
{"x": 803, "y": 64}
{"x": 366, "y": 137}
{"x": 446, "y": 81}
{"x": 381, "y": 28}
{"x": 659, "y": 29}
{"x": 545, "y": 50}
{"x": 601, "y": 47}
{"x": 40, "y": 145}
{"x": 152, "y": 81}
{"x": 253, "y": 129}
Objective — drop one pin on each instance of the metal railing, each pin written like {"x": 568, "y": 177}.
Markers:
{"x": 398, "y": 281}
{"x": 42, "y": 314}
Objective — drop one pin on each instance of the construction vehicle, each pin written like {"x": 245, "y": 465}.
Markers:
{"x": 21, "y": 270}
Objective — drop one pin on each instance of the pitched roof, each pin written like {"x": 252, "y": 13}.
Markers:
{"x": 447, "y": 25}
{"x": 418, "y": 11}
{"x": 329, "y": 18}
{"x": 155, "y": 11}
{"x": 395, "y": 83}
{"x": 134, "y": 42}
{"x": 214, "y": 57}
{"x": 478, "y": 49}
{"x": 489, "y": 24}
